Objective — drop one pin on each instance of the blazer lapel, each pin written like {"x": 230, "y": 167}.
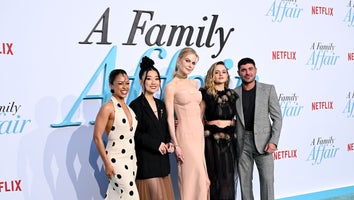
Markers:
{"x": 150, "y": 113}
{"x": 259, "y": 97}
{"x": 239, "y": 105}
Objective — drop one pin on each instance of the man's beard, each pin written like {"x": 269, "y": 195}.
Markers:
{"x": 247, "y": 82}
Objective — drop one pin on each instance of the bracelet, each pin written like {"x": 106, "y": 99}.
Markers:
{"x": 176, "y": 145}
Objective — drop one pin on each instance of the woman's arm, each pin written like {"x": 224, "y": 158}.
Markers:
{"x": 169, "y": 99}
{"x": 99, "y": 129}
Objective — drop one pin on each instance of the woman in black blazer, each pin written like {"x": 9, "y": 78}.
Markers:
{"x": 152, "y": 138}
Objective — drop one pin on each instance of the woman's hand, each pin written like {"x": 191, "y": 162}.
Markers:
{"x": 170, "y": 147}
{"x": 179, "y": 154}
{"x": 110, "y": 171}
{"x": 163, "y": 149}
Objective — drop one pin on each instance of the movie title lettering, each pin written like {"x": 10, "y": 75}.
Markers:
{"x": 283, "y": 9}
{"x": 174, "y": 34}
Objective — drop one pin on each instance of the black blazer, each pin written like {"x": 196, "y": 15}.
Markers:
{"x": 149, "y": 134}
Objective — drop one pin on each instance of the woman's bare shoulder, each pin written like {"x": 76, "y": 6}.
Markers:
{"x": 107, "y": 107}
{"x": 171, "y": 85}
{"x": 194, "y": 82}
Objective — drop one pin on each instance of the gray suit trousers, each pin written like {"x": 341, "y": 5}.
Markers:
{"x": 265, "y": 166}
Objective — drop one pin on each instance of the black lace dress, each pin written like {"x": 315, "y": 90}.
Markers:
{"x": 220, "y": 143}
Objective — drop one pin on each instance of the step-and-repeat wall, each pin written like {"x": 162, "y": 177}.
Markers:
{"x": 55, "y": 57}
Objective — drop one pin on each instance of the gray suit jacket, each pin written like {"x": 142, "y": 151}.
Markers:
{"x": 267, "y": 119}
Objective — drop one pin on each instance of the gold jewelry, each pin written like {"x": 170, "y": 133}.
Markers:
{"x": 180, "y": 76}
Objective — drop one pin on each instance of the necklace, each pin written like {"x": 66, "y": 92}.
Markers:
{"x": 180, "y": 76}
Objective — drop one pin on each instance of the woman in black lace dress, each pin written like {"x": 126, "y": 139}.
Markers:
{"x": 219, "y": 129}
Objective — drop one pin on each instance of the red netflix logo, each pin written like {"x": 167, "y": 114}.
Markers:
{"x": 6, "y": 49}
{"x": 350, "y": 56}
{"x": 319, "y": 10}
{"x": 322, "y": 105}
{"x": 10, "y": 186}
{"x": 285, "y": 154}
{"x": 351, "y": 147}
{"x": 283, "y": 55}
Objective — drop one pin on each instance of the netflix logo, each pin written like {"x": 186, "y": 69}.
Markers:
{"x": 10, "y": 186}
{"x": 322, "y": 105}
{"x": 283, "y": 55}
{"x": 320, "y": 10}
{"x": 285, "y": 154}
{"x": 6, "y": 49}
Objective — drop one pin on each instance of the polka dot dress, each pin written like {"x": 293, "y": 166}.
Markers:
{"x": 120, "y": 151}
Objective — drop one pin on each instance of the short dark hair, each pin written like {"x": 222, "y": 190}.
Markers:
{"x": 244, "y": 61}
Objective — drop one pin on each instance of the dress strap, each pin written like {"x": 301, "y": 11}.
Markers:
{"x": 116, "y": 103}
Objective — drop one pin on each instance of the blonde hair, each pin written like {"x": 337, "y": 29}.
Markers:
{"x": 183, "y": 53}
{"x": 209, "y": 79}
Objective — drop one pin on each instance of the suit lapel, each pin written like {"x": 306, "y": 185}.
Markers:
{"x": 150, "y": 113}
{"x": 239, "y": 108}
{"x": 259, "y": 97}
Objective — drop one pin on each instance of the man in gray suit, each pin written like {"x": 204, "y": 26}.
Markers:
{"x": 259, "y": 122}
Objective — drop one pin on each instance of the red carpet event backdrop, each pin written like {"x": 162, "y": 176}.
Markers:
{"x": 55, "y": 57}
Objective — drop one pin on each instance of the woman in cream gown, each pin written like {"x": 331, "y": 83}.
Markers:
{"x": 182, "y": 98}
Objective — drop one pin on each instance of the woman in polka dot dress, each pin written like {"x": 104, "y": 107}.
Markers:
{"x": 118, "y": 120}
